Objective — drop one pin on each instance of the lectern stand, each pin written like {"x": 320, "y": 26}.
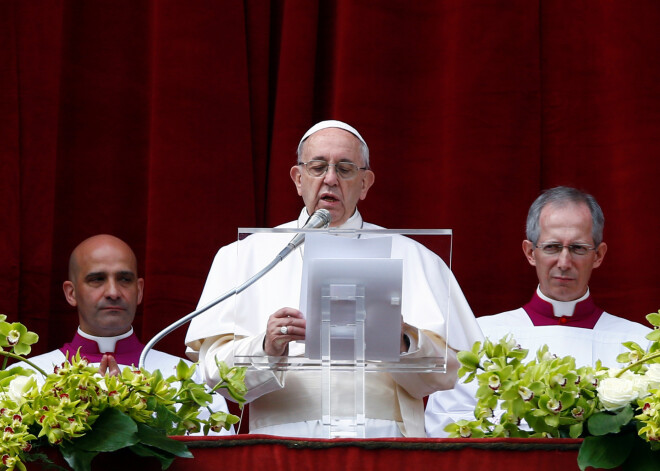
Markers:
{"x": 353, "y": 328}
{"x": 343, "y": 423}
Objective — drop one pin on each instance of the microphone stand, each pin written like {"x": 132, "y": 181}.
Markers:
{"x": 297, "y": 241}
{"x": 184, "y": 320}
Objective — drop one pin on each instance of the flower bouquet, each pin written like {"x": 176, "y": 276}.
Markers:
{"x": 83, "y": 413}
{"x": 616, "y": 411}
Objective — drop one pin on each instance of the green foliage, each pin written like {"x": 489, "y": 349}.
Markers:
{"x": 606, "y": 452}
{"x": 616, "y": 411}
{"x": 84, "y": 414}
{"x": 603, "y": 423}
{"x": 548, "y": 393}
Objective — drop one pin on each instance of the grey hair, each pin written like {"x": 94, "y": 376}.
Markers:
{"x": 364, "y": 150}
{"x": 561, "y": 196}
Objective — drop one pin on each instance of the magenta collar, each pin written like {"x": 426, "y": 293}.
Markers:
{"x": 127, "y": 351}
{"x": 541, "y": 313}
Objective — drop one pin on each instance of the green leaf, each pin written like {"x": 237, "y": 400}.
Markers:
{"x": 155, "y": 438}
{"x": 29, "y": 338}
{"x": 468, "y": 359}
{"x": 200, "y": 396}
{"x": 164, "y": 417}
{"x": 22, "y": 349}
{"x": 603, "y": 423}
{"x": 642, "y": 458}
{"x": 183, "y": 371}
{"x": 576, "y": 430}
{"x": 164, "y": 457}
{"x": 654, "y": 335}
{"x": 654, "y": 318}
{"x": 552, "y": 420}
{"x": 112, "y": 431}
{"x": 78, "y": 459}
{"x": 607, "y": 452}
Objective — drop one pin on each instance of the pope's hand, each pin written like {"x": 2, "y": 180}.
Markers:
{"x": 285, "y": 326}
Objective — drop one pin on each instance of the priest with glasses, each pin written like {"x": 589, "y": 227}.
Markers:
{"x": 564, "y": 244}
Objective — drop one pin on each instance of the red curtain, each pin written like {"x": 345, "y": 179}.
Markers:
{"x": 170, "y": 124}
{"x": 261, "y": 451}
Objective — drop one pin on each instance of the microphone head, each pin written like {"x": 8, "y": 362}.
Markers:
{"x": 320, "y": 218}
{"x": 325, "y": 217}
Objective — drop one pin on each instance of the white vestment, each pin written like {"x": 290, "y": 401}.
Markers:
{"x": 289, "y": 403}
{"x": 587, "y": 346}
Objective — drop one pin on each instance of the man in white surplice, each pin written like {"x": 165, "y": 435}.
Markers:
{"x": 332, "y": 173}
{"x": 105, "y": 289}
{"x": 564, "y": 243}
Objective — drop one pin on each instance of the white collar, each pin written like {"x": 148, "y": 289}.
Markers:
{"x": 562, "y": 308}
{"x": 354, "y": 222}
{"x": 106, "y": 344}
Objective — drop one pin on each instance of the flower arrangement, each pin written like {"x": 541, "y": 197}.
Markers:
{"x": 83, "y": 413}
{"x": 615, "y": 410}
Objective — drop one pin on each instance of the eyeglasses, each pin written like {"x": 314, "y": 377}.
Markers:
{"x": 344, "y": 170}
{"x": 554, "y": 248}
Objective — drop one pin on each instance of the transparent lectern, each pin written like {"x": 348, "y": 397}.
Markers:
{"x": 355, "y": 287}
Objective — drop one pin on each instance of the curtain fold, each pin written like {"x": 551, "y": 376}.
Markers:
{"x": 170, "y": 125}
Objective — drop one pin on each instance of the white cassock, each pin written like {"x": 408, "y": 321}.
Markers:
{"x": 601, "y": 342}
{"x": 289, "y": 403}
{"x": 156, "y": 360}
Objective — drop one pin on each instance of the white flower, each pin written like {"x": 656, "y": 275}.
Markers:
{"x": 465, "y": 431}
{"x": 13, "y": 337}
{"x": 100, "y": 380}
{"x": 511, "y": 343}
{"x": 560, "y": 380}
{"x": 547, "y": 357}
{"x": 18, "y": 387}
{"x": 612, "y": 372}
{"x": 526, "y": 393}
{"x": 641, "y": 385}
{"x": 633, "y": 356}
{"x": 615, "y": 393}
{"x": 653, "y": 375}
{"x": 554, "y": 405}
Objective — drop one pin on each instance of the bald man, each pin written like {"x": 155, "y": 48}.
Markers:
{"x": 105, "y": 289}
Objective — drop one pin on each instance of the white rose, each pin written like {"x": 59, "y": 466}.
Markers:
{"x": 615, "y": 393}
{"x": 612, "y": 372}
{"x": 641, "y": 385}
{"x": 19, "y": 386}
{"x": 653, "y": 375}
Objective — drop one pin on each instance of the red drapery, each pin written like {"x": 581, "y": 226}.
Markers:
{"x": 170, "y": 124}
{"x": 264, "y": 451}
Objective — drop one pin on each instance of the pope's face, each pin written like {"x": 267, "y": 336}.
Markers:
{"x": 104, "y": 287}
{"x": 565, "y": 276}
{"x": 339, "y": 196}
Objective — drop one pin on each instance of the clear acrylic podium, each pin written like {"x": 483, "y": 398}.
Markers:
{"x": 355, "y": 319}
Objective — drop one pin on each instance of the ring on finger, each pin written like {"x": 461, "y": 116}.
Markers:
{"x": 284, "y": 330}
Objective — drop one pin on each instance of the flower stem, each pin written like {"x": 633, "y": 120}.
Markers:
{"x": 638, "y": 362}
{"x": 20, "y": 358}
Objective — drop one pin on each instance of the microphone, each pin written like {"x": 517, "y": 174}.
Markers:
{"x": 320, "y": 218}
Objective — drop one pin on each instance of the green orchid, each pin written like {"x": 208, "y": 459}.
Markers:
{"x": 233, "y": 380}
{"x": 84, "y": 413}
{"x": 549, "y": 396}
{"x": 16, "y": 337}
